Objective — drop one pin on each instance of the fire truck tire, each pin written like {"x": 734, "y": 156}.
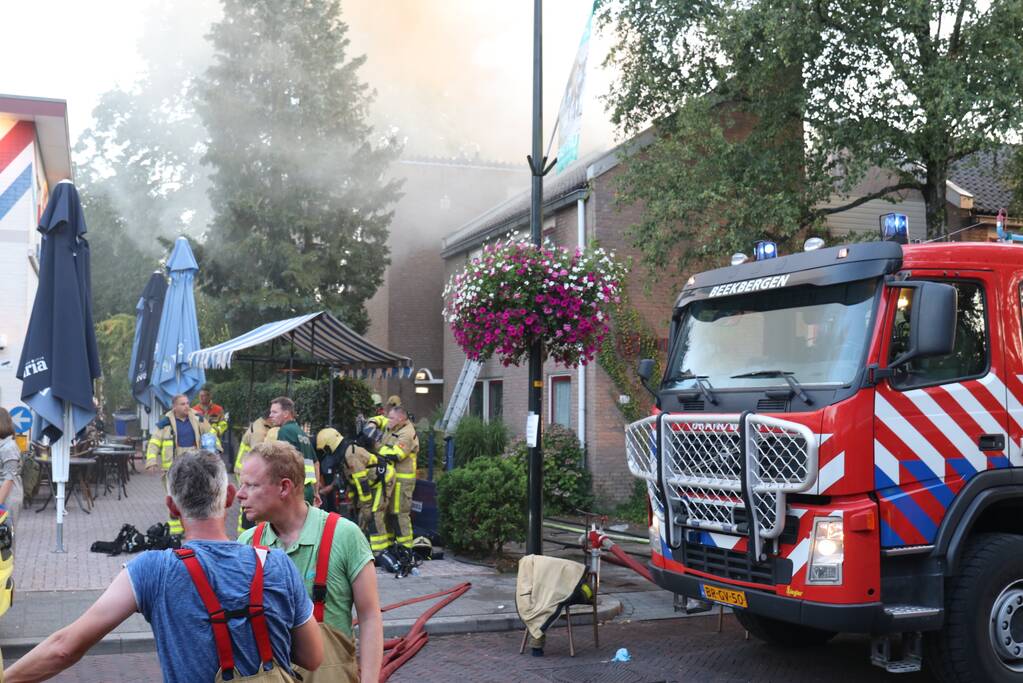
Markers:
{"x": 781, "y": 633}
{"x": 980, "y": 601}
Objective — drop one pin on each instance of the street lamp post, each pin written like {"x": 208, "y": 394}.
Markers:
{"x": 538, "y": 167}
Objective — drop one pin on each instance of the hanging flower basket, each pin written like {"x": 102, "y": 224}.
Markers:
{"x": 516, "y": 293}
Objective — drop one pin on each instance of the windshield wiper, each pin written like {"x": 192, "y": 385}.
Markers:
{"x": 705, "y": 390}
{"x": 787, "y": 376}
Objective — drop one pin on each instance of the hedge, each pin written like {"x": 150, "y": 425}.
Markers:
{"x": 567, "y": 484}
{"x": 311, "y": 397}
{"x": 483, "y": 505}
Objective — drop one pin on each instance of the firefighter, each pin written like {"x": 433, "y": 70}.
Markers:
{"x": 178, "y": 430}
{"x": 254, "y": 435}
{"x": 400, "y": 446}
{"x": 330, "y": 456}
{"x": 213, "y": 412}
{"x": 282, "y": 415}
{"x": 369, "y": 480}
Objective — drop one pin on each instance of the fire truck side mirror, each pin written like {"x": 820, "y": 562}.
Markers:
{"x": 645, "y": 369}
{"x": 932, "y": 322}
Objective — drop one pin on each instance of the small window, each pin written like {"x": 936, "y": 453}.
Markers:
{"x": 969, "y": 357}
{"x": 476, "y": 400}
{"x": 561, "y": 400}
{"x": 495, "y": 402}
{"x": 487, "y": 399}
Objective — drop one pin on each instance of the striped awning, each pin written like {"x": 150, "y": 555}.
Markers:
{"x": 324, "y": 337}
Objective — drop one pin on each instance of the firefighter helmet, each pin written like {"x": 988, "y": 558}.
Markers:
{"x": 328, "y": 438}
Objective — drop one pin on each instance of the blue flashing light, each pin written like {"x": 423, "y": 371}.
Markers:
{"x": 765, "y": 249}
{"x": 895, "y": 228}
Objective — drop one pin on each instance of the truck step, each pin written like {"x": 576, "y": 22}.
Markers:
{"x": 911, "y": 611}
{"x": 883, "y": 648}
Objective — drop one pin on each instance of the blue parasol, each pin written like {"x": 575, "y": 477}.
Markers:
{"x": 178, "y": 335}
{"x": 60, "y": 360}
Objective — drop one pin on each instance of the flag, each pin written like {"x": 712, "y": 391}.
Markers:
{"x": 571, "y": 112}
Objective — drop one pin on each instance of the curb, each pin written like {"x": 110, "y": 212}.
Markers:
{"x": 142, "y": 641}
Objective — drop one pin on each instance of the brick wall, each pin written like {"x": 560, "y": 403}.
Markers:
{"x": 604, "y": 436}
{"x": 405, "y": 314}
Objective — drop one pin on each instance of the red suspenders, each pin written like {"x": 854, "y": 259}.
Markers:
{"x": 322, "y": 561}
{"x": 219, "y": 616}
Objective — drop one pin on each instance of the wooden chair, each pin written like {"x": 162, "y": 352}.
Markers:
{"x": 591, "y": 579}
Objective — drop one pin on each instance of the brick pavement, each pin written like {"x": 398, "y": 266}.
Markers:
{"x": 669, "y": 650}
{"x": 675, "y": 650}
{"x": 38, "y": 568}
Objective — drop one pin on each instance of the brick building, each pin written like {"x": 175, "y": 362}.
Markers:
{"x": 405, "y": 313}
{"x": 579, "y": 207}
{"x": 34, "y": 155}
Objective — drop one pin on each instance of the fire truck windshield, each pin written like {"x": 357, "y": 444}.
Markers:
{"x": 818, "y": 334}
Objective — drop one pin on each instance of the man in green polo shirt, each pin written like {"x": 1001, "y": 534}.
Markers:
{"x": 282, "y": 416}
{"x": 272, "y": 492}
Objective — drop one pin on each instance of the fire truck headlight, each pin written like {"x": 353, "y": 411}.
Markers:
{"x": 827, "y": 552}
{"x": 655, "y": 532}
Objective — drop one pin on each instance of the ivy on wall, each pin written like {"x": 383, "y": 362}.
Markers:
{"x": 629, "y": 341}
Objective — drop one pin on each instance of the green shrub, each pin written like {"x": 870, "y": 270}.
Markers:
{"x": 475, "y": 438}
{"x": 483, "y": 505}
{"x": 634, "y": 509}
{"x": 311, "y": 396}
{"x": 567, "y": 484}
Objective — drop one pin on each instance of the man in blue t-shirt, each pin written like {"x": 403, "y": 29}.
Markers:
{"x": 158, "y": 585}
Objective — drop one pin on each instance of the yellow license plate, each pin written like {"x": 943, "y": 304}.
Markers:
{"x": 724, "y": 596}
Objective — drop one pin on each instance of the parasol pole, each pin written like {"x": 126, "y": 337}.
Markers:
{"x": 62, "y": 455}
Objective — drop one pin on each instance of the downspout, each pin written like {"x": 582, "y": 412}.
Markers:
{"x": 580, "y": 212}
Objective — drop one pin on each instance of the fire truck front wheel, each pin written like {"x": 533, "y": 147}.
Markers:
{"x": 983, "y": 635}
{"x": 781, "y": 633}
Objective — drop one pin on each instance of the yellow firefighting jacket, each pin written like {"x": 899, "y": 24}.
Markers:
{"x": 361, "y": 473}
{"x": 254, "y": 435}
{"x": 163, "y": 444}
{"x": 401, "y": 444}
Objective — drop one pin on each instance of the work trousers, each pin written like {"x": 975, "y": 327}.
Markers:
{"x": 401, "y": 511}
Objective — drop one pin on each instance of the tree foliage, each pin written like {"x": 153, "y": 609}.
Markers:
{"x": 119, "y": 267}
{"x": 1013, "y": 179}
{"x": 114, "y": 336}
{"x": 765, "y": 109}
{"x": 300, "y": 209}
{"x": 138, "y": 166}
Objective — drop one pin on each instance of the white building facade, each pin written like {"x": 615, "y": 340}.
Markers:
{"x": 34, "y": 155}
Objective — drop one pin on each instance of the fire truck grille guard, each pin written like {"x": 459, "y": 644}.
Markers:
{"x": 714, "y": 466}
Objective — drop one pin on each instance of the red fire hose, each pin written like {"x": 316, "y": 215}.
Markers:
{"x": 397, "y": 651}
{"x": 596, "y": 539}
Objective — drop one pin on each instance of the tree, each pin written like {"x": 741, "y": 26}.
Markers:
{"x": 1013, "y": 178}
{"x": 139, "y": 166}
{"x": 300, "y": 210}
{"x": 765, "y": 109}
{"x": 114, "y": 336}
{"x": 119, "y": 267}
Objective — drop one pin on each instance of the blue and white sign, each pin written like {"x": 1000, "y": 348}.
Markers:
{"x": 22, "y": 419}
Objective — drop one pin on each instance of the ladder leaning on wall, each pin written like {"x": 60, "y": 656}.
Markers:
{"x": 460, "y": 396}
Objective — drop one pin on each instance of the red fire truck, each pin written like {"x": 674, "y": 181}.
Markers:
{"x": 837, "y": 448}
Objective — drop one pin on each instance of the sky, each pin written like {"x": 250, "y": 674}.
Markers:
{"x": 453, "y": 77}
